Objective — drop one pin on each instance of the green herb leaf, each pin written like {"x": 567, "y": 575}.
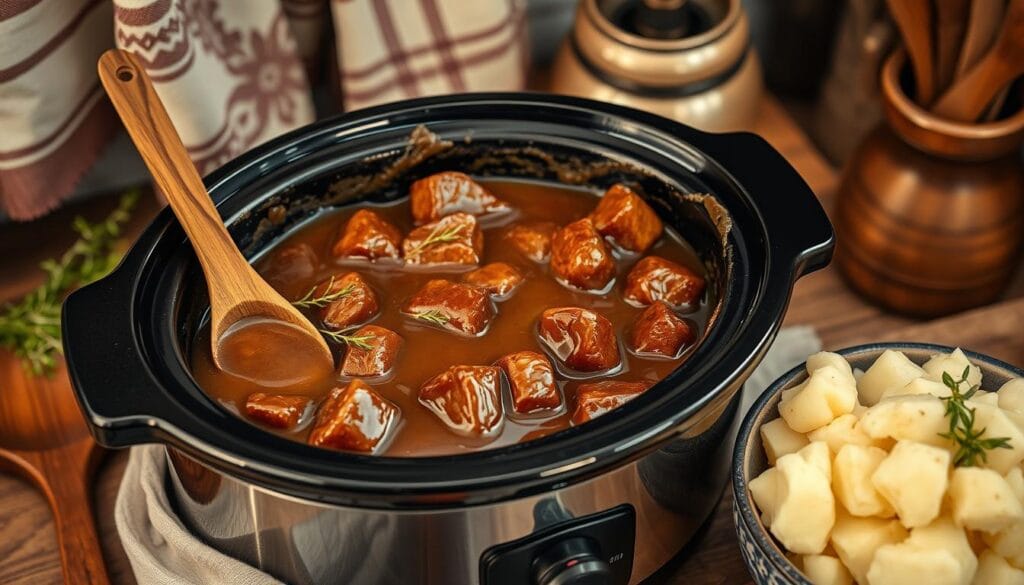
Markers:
{"x": 436, "y": 237}
{"x": 434, "y": 316}
{"x": 326, "y": 298}
{"x": 971, "y": 448}
{"x": 360, "y": 341}
{"x": 31, "y": 327}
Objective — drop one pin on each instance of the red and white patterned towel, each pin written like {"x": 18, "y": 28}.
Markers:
{"x": 232, "y": 73}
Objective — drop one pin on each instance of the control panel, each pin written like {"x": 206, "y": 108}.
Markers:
{"x": 590, "y": 550}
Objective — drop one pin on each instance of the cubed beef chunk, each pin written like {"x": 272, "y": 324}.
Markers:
{"x": 533, "y": 240}
{"x": 580, "y": 258}
{"x": 466, "y": 399}
{"x": 346, "y": 301}
{"x": 462, "y": 308}
{"x": 451, "y": 192}
{"x": 627, "y": 219}
{"x": 368, "y": 235}
{"x": 532, "y": 381}
{"x": 657, "y": 279}
{"x": 497, "y": 278}
{"x": 354, "y": 418}
{"x": 289, "y": 264}
{"x": 280, "y": 411}
{"x": 582, "y": 339}
{"x": 371, "y": 351}
{"x": 660, "y": 331}
{"x": 453, "y": 239}
{"x": 596, "y": 398}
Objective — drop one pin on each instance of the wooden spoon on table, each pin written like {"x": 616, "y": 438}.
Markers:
{"x": 967, "y": 99}
{"x": 273, "y": 342}
{"x": 44, "y": 439}
{"x": 914, "y": 19}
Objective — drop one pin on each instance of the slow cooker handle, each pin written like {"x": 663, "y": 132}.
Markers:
{"x": 796, "y": 224}
{"x": 115, "y": 389}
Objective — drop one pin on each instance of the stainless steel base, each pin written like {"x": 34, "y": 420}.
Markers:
{"x": 673, "y": 490}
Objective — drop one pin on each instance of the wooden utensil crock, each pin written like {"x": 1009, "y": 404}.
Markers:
{"x": 930, "y": 213}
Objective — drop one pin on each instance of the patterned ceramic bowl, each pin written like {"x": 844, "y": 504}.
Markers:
{"x": 762, "y": 554}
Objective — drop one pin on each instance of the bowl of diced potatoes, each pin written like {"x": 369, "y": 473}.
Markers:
{"x": 885, "y": 464}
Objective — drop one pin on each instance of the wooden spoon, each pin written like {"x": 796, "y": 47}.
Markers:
{"x": 982, "y": 27}
{"x": 43, "y": 438}
{"x": 238, "y": 295}
{"x": 914, "y": 19}
{"x": 950, "y": 24}
{"x": 967, "y": 99}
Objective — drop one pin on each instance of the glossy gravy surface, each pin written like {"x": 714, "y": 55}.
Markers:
{"x": 427, "y": 351}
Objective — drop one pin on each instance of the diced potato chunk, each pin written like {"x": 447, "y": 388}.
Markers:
{"x": 892, "y": 369}
{"x": 918, "y": 386}
{"x": 994, "y": 570}
{"x": 841, "y": 431}
{"x": 983, "y": 500}
{"x": 1011, "y": 395}
{"x": 826, "y": 395}
{"x": 817, "y": 454}
{"x": 778, "y": 440}
{"x": 1015, "y": 479}
{"x": 828, "y": 358}
{"x": 851, "y": 480}
{"x": 919, "y": 418}
{"x": 805, "y": 510}
{"x": 982, "y": 397}
{"x": 1009, "y": 543}
{"x": 855, "y": 540}
{"x": 913, "y": 479}
{"x": 943, "y": 534}
{"x": 826, "y": 570}
{"x": 903, "y": 564}
{"x": 998, "y": 423}
{"x": 953, "y": 364}
{"x": 764, "y": 489}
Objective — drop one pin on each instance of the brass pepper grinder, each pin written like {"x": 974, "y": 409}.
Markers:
{"x": 930, "y": 211}
{"x": 690, "y": 60}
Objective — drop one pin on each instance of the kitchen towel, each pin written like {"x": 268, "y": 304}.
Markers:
{"x": 232, "y": 73}
{"x": 163, "y": 552}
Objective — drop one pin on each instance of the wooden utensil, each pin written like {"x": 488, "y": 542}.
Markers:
{"x": 44, "y": 439}
{"x": 237, "y": 292}
{"x": 982, "y": 28}
{"x": 950, "y": 24}
{"x": 967, "y": 99}
{"x": 914, "y": 19}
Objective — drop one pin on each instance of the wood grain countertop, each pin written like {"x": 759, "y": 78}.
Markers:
{"x": 28, "y": 552}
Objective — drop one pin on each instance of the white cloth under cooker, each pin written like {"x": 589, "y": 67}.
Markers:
{"x": 163, "y": 552}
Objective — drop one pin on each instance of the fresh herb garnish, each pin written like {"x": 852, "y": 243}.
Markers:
{"x": 432, "y": 316}
{"x": 309, "y": 300}
{"x": 448, "y": 235}
{"x": 31, "y": 327}
{"x": 970, "y": 445}
{"x": 360, "y": 341}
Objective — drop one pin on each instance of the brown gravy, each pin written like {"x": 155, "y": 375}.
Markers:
{"x": 427, "y": 351}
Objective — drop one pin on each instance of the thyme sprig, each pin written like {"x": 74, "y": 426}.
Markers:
{"x": 436, "y": 237}
{"x": 328, "y": 297}
{"x": 360, "y": 341}
{"x": 971, "y": 447}
{"x": 31, "y": 327}
{"x": 434, "y": 316}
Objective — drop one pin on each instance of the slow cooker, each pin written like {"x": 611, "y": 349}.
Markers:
{"x": 609, "y": 501}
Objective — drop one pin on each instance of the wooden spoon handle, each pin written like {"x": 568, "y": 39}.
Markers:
{"x": 80, "y": 548}
{"x": 156, "y": 139}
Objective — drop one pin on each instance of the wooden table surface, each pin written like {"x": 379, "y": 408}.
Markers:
{"x": 28, "y": 553}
